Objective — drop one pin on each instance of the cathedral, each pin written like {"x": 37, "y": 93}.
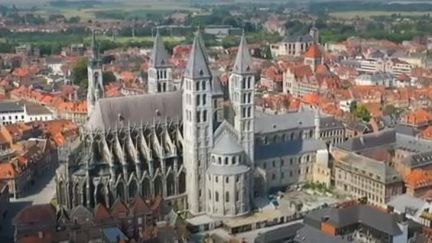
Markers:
{"x": 182, "y": 146}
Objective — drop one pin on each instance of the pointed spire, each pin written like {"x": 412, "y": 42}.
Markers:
{"x": 243, "y": 61}
{"x": 93, "y": 44}
{"x": 159, "y": 57}
{"x": 197, "y": 66}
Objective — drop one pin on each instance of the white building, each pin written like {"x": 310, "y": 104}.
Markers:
{"x": 14, "y": 111}
{"x": 381, "y": 79}
{"x": 295, "y": 45}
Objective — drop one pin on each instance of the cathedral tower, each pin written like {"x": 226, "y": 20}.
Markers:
{"x": 95, "y": 89}
{"x": 160, "y": 71}
{"x": 313, "y": 57}
{"x": 314, "y": 33}
{"x": 242, "y": 93}
{"x": 197, "y": 124}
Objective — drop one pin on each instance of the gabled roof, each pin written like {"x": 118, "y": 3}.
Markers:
{"x": 295, "y": 147}
{"x": 243, "y": 62}
{"x": 364, "y": 214}
{"x": 371, "y": 140}
{"x": 101, "y": 212}
{"x": 81, "y": 215}
{"x": 159, "y": 56}
{"x": 36, "y": 214}
{"x": 139, "y": 206}
{"x": 197, "y": 66}
{"x": 119, "y": 209}
{"x": 110, "y": 113}
{"x": 313, "y": 52}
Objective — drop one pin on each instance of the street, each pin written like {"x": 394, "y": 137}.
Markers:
{"x": 40, "y": 193}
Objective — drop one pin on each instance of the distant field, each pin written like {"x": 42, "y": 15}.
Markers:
{"x": 115, "y": 10}
{"x": 369, "y": 14}
{"x": 124, "y": 39}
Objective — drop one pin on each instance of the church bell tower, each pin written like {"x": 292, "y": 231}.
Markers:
{"x": 95, "y": 89}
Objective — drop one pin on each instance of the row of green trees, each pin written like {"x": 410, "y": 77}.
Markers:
{"x": 79, "y": 74}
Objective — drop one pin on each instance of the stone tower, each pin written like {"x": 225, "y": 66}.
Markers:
{"x": 160, "y": 71}
{"x": 313, "y": 57}
{"x": 314, "y": 32}
{"x": 242, "y": 93}
{"x": 95, "y": 89}
{"x": 197, "y": 124}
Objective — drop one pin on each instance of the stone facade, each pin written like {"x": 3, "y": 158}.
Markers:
{"x": 365, "y": 177}
{"x": 186, "y": 147}
{"x": 144, "y": 160}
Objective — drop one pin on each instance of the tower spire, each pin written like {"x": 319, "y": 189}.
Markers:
{"x": 243, "y": 61}
{"x": 197, "y": 66}
{"x": 159, "y": 57}
{"x": 160, "y": 71}
{"x": 93, "y": 45}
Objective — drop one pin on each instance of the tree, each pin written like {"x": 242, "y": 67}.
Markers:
{"x": 267, "y": 52}
{"x": 108, "y": 77}
{"x": 79, "y": 73}
{"x": 362, "y": 112}
{"x": 389, "y": 110}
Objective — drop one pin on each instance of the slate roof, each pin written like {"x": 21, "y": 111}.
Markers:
{"x": 418, "y": 160}
{"x": 279, "y": 235}
{"x": 406, "y": 204}
{"x": 377, "y": 169}
{"x": 197, "y": 65}
{"x": 266, "y": 151}
{"x": 330, "y": 122}
{"x": 371, "y": 140}
{"x": 301, "y": 38}
{"x": 406, "y": 130}
{"x": 359, "y": 213}
{"x": 36, "y": 109}
{"x": 11, "y": 106}
{"x": 413, "y": 144}
{"x": 270, "y": 123}
{"x": 308, "y": 234}
{"x": 159, "y": 56}
{"x": 227, "y": 145}
{"x": 243, "y": 62}
{"x": 114, "y": 112}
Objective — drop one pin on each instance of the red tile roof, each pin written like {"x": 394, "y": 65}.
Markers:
{"x": 419, "y": 178}
{"x": 35, "y": 214}
{"x": 314, "y": 51}
{"x": 101, "y": 212}
{"x": 8, "y": 170}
